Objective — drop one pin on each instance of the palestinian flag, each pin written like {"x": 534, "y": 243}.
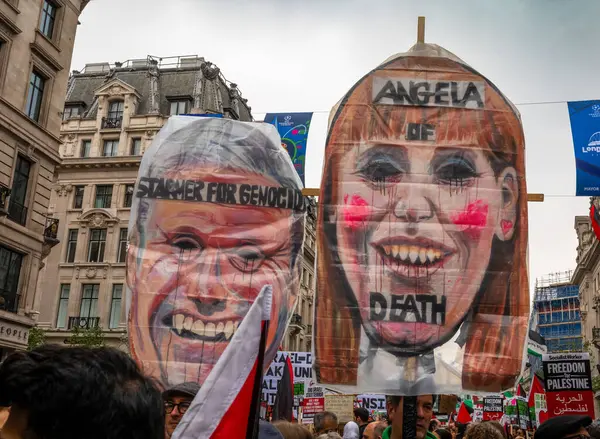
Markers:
{"x": 464, "y": 414}
{"x": 536, "y": 387}
{"x": 227, "y": 404}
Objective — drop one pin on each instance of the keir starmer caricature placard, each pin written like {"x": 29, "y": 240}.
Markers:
{"x": 422, "y": 233}
{"x": 218, "y": 214}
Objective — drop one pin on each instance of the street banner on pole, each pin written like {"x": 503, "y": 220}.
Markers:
{"x": 422, "y": 233}
{"x": 218, "y": 213}
{"x": 568, "y": 380}
{"x": 585, "y": 129}
{"x": 293, "y": 129}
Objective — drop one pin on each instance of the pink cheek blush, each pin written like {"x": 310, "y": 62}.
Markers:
{"x": 355, "y": 212}
{"x": 473, "y": 219}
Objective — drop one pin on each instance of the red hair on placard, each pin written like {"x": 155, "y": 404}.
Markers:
{"x": 497, "y": 328}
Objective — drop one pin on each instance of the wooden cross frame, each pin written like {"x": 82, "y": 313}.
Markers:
{"x": 314, "y": 192}
{"x": 532, "y": 198}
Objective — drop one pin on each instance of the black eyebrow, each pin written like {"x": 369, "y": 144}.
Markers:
{"x": 387, "y": 153}
{"x": 444, "y": 153}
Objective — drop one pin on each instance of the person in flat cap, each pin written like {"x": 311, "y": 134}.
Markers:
{"x": 177, "y": 401}
{"x": 564, "y": 427}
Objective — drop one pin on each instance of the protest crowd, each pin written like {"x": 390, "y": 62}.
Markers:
{"x": 421, "y": 301}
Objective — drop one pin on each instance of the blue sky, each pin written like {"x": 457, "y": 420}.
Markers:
{"x": 302, "y": 55}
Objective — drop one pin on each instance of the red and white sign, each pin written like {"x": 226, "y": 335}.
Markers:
{"x": 571, "y": 402}
{"x": 492, "y": 416}
{"x": 310, "y": 406}
{"x": 568, "y": 384}
{"x": 313, "y": 405}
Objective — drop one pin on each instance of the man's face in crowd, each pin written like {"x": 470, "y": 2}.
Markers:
{"x": 370, "y": 431}
{"x": 175, "y": 408}
{"x": 424, "y": 414}
{"x": 196, "y": 272}
{"x": 329, "y": 424}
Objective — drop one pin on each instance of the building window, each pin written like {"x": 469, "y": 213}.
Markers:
{"x": 48, "y": 19}
{"x": 128, "y": 199}
{"x": 97, "y": 245}
{"x": 136, "y": 146}
{"x": 78, "y": 197}
{"x": 111, "y": 147}
{"x": 35, "y": 96}
{"x": 10, "y": 270}
{"x": 71, "y": 112}
{"x": 86, "y": 148}
{"x": 115, "y": 306}
{"x": 17, "y": 211}
{"x": 122, "y": 246}
{"x": 72, "y": 245}
{"x": 114, "y": 117}
{"x": 103, "y": 196}
{"x": 63, "y": 306}
{"x": 178, "y": 107}
{"x": 89, "y": 301}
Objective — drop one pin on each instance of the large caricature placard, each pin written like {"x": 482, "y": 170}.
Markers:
{"x": 422, "y": 233}
{"x": 218, "y": 213}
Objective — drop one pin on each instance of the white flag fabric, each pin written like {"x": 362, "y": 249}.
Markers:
{"x": 221, "y": 408}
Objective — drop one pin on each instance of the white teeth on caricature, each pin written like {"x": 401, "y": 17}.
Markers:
{"x": 413, "y": 254}
{"x": 229, "y": 329}
{"x": 182, "y": 323}
{"x": 209, "y": 330}
{"x": 178, "y": 322}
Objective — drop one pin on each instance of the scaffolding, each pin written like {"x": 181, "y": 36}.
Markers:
{"x": 556, "y": 312}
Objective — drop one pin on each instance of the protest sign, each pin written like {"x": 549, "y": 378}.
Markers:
{"x": 568, "y": 379}
{"x": 493, "y": 408}
{"x": 422, "y": 233}
{"x": 312, "y": 405}
{"x": 373, "y": 403}
{"x": 341, "y": 405}
{"x": 302, "y": 368}
{"x": 206, "y": 184}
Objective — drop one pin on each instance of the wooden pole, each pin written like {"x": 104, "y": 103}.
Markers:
{"x": 314, "y": 192}
{"x": 421, "y": 30}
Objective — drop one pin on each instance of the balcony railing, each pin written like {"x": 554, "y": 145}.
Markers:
{"x": 296, "y": 319}
{"x": 9, "y": 301}
{"x": 112, "y": 122}
{"x": 4, "y": 194}
{"x": 51, "y": 230}
{"x": 17, "y": 212}
{"x": 84, "y": 322}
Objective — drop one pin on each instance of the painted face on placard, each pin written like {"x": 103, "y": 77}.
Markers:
{"x": 199, "y": 268}
{"x": 415, "y": 226}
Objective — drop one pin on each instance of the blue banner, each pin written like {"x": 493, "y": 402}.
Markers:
{"x": 293, "y": 129}
{"x": 585, "y": 128}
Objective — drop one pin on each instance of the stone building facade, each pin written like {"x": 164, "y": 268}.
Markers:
{"x": 111, "y": 115}
{"x": 36, "y": 46}
{"x": 298, "y": 337}
{"x": 587, "y": 276}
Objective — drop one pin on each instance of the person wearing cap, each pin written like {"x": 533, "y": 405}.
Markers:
{"x": 564, "y": 427}
{"x": 177, "y": 401}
